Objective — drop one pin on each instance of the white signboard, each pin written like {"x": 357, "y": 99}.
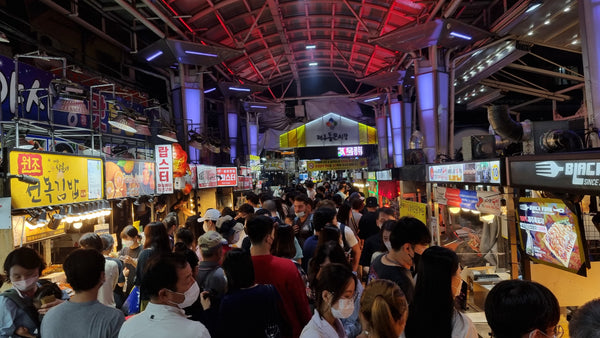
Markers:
{"x": 331, "y": 130}
{"x": 94, "y": 169}
{"x": 207, "y": 176}
{"x": 164, "y": 168}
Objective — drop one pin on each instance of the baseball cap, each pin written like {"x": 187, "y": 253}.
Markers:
{"x": 356, "y": 195}
{"x": 211, "y": 214}
{"x": 210, "y": 240}
{"x": 371, "y": 202}
{"x": 222, "y": 220}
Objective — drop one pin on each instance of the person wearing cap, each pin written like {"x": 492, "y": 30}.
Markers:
{"x": 211, "y": 216}
{"x": 210, "y": 275}
{"x": 230, "y": 229}
{"x": 367, "y": 226}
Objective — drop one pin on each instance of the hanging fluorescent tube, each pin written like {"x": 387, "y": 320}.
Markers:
{"x": 262, "y": 107}
{"x": 210, "y": 90}
{"x": 459, "y": 35}
{"x": 201, "y": 54}
{"x": 238, "y": 89}
{"x": 372, "y": 99}
{"x": 533, "y": 6}
{"x": 313, "y": 64}
{"x": 154, "y": 56}
{"x": 311, "y": 47}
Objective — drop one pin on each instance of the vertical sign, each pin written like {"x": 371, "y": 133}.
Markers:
{"x": 164, "y": 168}
{"x": 94, "y": 179}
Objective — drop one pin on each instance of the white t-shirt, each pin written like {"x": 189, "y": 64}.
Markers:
{"x": 350, "y": 237}
{"x": 111, "y": 274}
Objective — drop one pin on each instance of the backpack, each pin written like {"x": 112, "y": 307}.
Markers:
{"x": 29, "y": 309}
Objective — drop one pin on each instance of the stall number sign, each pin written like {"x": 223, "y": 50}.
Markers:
{"x": 350, "y": 151}
{"x": 164, "y": 169}
{"x": 62, "y": 179}
{"x": 227, "y": 177}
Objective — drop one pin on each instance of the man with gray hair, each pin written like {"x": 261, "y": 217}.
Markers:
{"x": 210, "y": 276}
{"x": 585, "y": 322}
{"x": 271, "y": 206}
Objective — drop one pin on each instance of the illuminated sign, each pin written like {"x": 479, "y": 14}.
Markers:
{"x": 350, "y": 151}
{"x": 63, "y": 179}
{"x": 164, "y": 168}
{"x": 339, "y": 164}
{"x": 470, "y": 172}
{"x": 227, "y": 177}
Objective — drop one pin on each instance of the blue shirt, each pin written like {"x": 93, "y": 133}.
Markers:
{"x": 308, "y": 251}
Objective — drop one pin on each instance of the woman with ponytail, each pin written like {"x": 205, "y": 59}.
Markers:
{"x": 383, "y": 310}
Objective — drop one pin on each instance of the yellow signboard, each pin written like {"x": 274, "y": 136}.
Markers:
{"x": 414, "y": 209}
{"x": 62, "y": 179}
{"x": 338, "y": 164}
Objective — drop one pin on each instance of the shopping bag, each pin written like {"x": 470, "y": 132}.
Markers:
{"x": 132, "y": 303}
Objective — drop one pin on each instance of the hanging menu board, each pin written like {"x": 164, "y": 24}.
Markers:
{"x": 62, "y": 179}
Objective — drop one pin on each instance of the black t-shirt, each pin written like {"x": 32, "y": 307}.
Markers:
{"x": 373, "y": 244}
{"x": 396, "y": 274}
{"x": 367, "y": 226}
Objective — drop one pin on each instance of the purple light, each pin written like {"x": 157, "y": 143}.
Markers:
{"x": 459, "y": 35}
{"x": 201, "y": 54}
{"x": 372, "y": 99}
{"x": 262, "y": 107}
{"x": 210, "y": 90}
{"x": 154, "y": 56}
{"x": 238, "y": 89}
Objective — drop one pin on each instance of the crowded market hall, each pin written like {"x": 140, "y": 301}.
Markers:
{"x": 300, "y": 168}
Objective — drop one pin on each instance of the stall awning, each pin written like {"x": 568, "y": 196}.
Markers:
{"x": 329, "y": 130}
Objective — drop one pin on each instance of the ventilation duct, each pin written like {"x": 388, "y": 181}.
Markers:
{"x": 559, "y": 140}
{"x": 504, "y": 126}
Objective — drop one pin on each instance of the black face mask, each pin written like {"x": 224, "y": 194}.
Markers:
{"x": 416, "y": 260}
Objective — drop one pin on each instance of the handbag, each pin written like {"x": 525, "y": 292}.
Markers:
{"x": 132, "y": 303}
{"x": 272, "y": 329}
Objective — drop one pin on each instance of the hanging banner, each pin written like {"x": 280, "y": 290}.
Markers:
{"x": 339, "y": 164}
{"x": 207, "y": 176}
{"x": 484, "y": 172}
{"x": 227, "y": 177}
{"x": 164, "y": 168}
{"x": 414, "y": 209}
{"x": 62, "y": 179}
{"x": 274, "y": 165}
{"x": 129, "y": 178}
{"x": 487, "y": 202}
{"x": 194, "y": 170}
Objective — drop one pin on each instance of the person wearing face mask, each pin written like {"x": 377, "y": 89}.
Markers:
{"x": 171, "y": 286}
{"x": 396, "y": 264}
{"x": 129, "y": 253}
{"x": 231, "y": 230}
{"x": 303, "y": 223}
{"x": 209, "y": 221}
{"x": 18, "y": 316}
{"x": 84, "y": 269}
{"x": 279, "y": 272}
{"x": 438, "y": 284}
{"x": 335, "y": 290}
{"x": 379, "y": 241}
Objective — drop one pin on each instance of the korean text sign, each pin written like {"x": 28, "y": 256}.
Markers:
{"x": 164, "y": 168}
{"x": 63, "y": 179}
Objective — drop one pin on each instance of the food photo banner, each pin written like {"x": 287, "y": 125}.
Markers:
{"x": 129, "y": 178}
{"x": 487, "y": 202}
{"x": 62, "y": 179}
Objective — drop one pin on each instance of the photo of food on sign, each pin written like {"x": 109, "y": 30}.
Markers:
{"x": 126, "y": 178}
{"x": 549, "y": 232}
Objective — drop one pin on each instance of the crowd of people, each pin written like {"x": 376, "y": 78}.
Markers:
{"x": 319, "y": 262}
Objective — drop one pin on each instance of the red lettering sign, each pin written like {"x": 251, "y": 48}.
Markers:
{"x": 30, "y": 164}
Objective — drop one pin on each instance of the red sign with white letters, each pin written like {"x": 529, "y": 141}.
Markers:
{"x": 164, "y": 168}
{"x": 227, "y": 177}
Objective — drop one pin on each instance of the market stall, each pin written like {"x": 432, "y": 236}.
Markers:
{"x": 555, "y": 201}
{"x": 467, "y": 217}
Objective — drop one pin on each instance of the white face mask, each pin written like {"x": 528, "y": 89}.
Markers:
{"x": 24, "y": 285}
{"x": 190, "y": 296}
{"x": 388, "y": 245}
{"x": 301, "y": 214}
{"x": 127, "y": 244}
{"x": 343, "y": 308}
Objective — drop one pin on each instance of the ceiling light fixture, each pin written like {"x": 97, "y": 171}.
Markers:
{"x": 201, "y": 54}
{"x": 168, "y": 135}
{"x": 311, "y": 47}
{"x": 372, "y": 99}
{"x": 239, "y": 89}
{"x": 261, "y": 107}
{"x": 210, "y": 90}
{"x": 459, "y": 35}
{"x": 312, "y": 64}
{"x": 533, "y": 6}
{"x": 154, "y": 56}
{"x": 123, "y": 122}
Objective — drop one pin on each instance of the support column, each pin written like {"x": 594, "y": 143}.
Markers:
{"x": 192, "y": 103}
{"x": 589, "y": 23}
{"x": 382, "y": 138}
{"x": 432, "y": 97}
{"x": 252, "y": 123}
{"x": 396, "y": 126}
{"x": 231, "y": 115}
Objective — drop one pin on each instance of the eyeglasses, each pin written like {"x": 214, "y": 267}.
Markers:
{"x": 557, "y": 333}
